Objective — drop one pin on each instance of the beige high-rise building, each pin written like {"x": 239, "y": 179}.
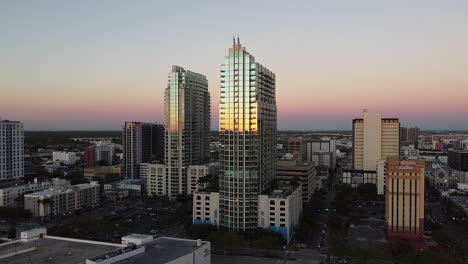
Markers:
{"x": 404, "y": 199}
{"x": 374, "y": 139}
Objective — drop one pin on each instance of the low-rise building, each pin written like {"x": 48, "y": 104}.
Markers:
{"x": 62, "y": 199}
{"x": 133, "y": 186}
{"x": 356, "y": 177}
{"x": 206, "y": 208}
{"x": 9, "y": 196}
{"x": 134, "y": 248}
{"x": 103, "y": 171}
{"x": 67, "y": 158}
{"x": 280, "y": 209}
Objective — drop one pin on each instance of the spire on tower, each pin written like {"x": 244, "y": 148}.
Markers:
{"x": 238, "y": 41}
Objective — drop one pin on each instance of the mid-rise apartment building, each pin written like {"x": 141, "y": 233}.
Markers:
{"x": 404, "y": 199}
{"x": 9, "y": 195}
{"x": 11, "y": 150}
{"x": 62, "y": 200}
{"x": 158, "y": 181}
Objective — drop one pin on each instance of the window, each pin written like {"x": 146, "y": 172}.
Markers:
{"x": 198, "y": 197}
{"x": 282, "y": 203}
{"x": 272, "y": 202}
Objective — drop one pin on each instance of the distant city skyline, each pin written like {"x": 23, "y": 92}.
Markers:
{"x": 91, "y": 65}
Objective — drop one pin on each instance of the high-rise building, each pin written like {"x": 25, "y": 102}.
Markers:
{"x": 374, "y": 138}
{"x": 247, "y": 132}
{"x": 187, "y": 113}
{"x": 153, "y": 142}
{"x": 409, "y": 136}
{"x": 458, "y": 160}
{"x": 296, "y": 147}
{"x": 322, "y": 152}
{"x": 90, "y": 157}
{"x": 140, "y": 144}
{"x": 404, "y": 199}
{"x": 11, "y": 150}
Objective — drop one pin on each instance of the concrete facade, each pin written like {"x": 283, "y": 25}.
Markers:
{"x": 62, "y": 200}
{"x": 374, "y": 138}
{"x": 11, "y": 150}
{"x": 404, "y": 199}
{"x": 280, "y": 210}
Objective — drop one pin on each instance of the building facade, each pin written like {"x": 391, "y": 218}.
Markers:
{"x": 305, "y": 172}
{"x": 159, "y": 183}
{"x": 374, "y": 138}
{"x": 62, "y": 200}
{"x": 104, "y": 153}
{"x": 90, "y": 157}
{"x": 67, "y": 158}
{"x": 280, "y": 209}
{"x": 187, "y": 113}
{"x": 458, "y": 160}
{"x": 247, "y": 132}
{"x": 142, "y": 143}
{"x": 409, "y": 136}
{"x": 11, "y": 150}
{"x": 9, "y": 196}
{"x": 404, "y": 199}
{"x": 153, "y": 139}
{"x": 296, "y": 146}
{"x": 206, "y": 208}
{"x": 322, "y": 153}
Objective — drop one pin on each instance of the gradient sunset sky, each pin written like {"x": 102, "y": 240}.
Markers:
{"x": 95, "y": 64}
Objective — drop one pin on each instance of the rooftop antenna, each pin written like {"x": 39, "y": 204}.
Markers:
{"x": 238, "y": 41}
{"x": 233, "y": 40}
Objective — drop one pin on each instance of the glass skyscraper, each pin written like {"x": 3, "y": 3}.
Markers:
{"x": 187, "y": 117}
{"x": 247, "y": 132}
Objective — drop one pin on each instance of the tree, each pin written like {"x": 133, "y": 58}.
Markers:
{"x": 12, "y": 229}
{"x": 103, "y": 163}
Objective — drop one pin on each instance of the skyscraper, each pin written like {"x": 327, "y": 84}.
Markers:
{"x": 11, "y": 150}
{"x": 374, "y": 138}
{"x": 153, "y": 142}
{"x": 140, "y": 145}
{"x": 187, "y": 114}
{"x": 247, "y": 132}
{"x": 404, "y": 199}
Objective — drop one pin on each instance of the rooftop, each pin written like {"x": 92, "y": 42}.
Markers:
{"x": 39, "y": 251}
{"x": 282, "y": 190}
{"x": 163, "y": 250}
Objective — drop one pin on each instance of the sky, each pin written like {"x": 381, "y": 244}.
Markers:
{"x": 93, "y": 65}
